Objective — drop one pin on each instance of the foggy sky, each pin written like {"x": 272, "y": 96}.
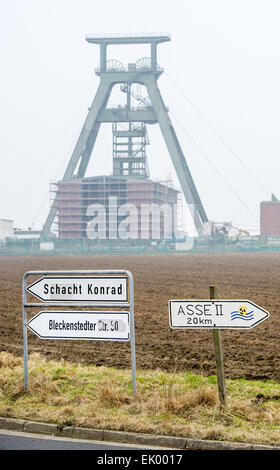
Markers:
{"x": 222, "y": 68}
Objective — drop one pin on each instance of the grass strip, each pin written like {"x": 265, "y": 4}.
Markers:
{"x": 179, "y": 404}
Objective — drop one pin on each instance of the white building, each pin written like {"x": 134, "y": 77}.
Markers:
{"x": 6, "y": 229}
{"x": 19, "y": 233}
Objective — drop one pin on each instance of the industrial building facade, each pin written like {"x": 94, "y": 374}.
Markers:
{"x": 80, "y": 201}
{"x": 270, "y": 218}
{"x": 6, "y": 229}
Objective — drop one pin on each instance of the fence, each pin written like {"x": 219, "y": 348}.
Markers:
{"x": 85, "y": 246}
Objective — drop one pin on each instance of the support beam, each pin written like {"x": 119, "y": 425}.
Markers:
{"x": 87, "y": 151}
{"x": 154, "y": 56}
{"x": 103, "y": 57}
{"x": 90, "y": 127}
{"x": 99, "y": 102}
{"x": 177, "y": 156}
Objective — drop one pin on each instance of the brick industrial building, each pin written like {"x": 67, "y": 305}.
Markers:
{"x": 270, "y": 217}
{"x": 74, "y": 198}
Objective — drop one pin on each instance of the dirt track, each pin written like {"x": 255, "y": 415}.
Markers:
{"x": 251, "y": 353}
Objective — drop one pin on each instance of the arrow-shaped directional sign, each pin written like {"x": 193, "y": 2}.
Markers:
{"x": 215, "y": 314}
{"x": 110, "y": 326}
{"x": 80, "y": 289}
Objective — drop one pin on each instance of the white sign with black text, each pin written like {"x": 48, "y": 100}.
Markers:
{"x": 80, "y": 289}
{"x": 110, "y": 326}
{"x": 239, "y": 314}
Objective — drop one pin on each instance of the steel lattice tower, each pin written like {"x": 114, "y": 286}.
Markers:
{"x": 130, "y": 158}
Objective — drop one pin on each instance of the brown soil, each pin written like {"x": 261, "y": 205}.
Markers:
{"x": 253, "y": 353}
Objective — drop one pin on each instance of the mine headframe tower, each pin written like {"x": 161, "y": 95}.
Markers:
{"x": 129, "y": 123}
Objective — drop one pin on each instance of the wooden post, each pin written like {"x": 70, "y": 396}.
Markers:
{"x": 219, "y": 356}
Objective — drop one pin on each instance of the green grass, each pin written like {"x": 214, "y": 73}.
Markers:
{"x": 178, "y": 404}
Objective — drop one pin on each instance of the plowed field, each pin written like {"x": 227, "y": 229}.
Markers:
{"x": 253, "y": 353}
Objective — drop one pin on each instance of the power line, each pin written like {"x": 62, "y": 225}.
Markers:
{"x": 217, "y": 134}
{"x": 50, "y": 157}
{"x": 217, "y": 171}
{"x": 47, "y": 194}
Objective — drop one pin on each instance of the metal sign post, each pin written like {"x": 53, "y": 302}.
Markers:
{"x": 89, "y": 288}
{"x": 216, "y": 314}
{"x": 219, "y": 357}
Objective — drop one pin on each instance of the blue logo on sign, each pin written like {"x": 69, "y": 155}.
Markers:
{"x": 242, "y": 314}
